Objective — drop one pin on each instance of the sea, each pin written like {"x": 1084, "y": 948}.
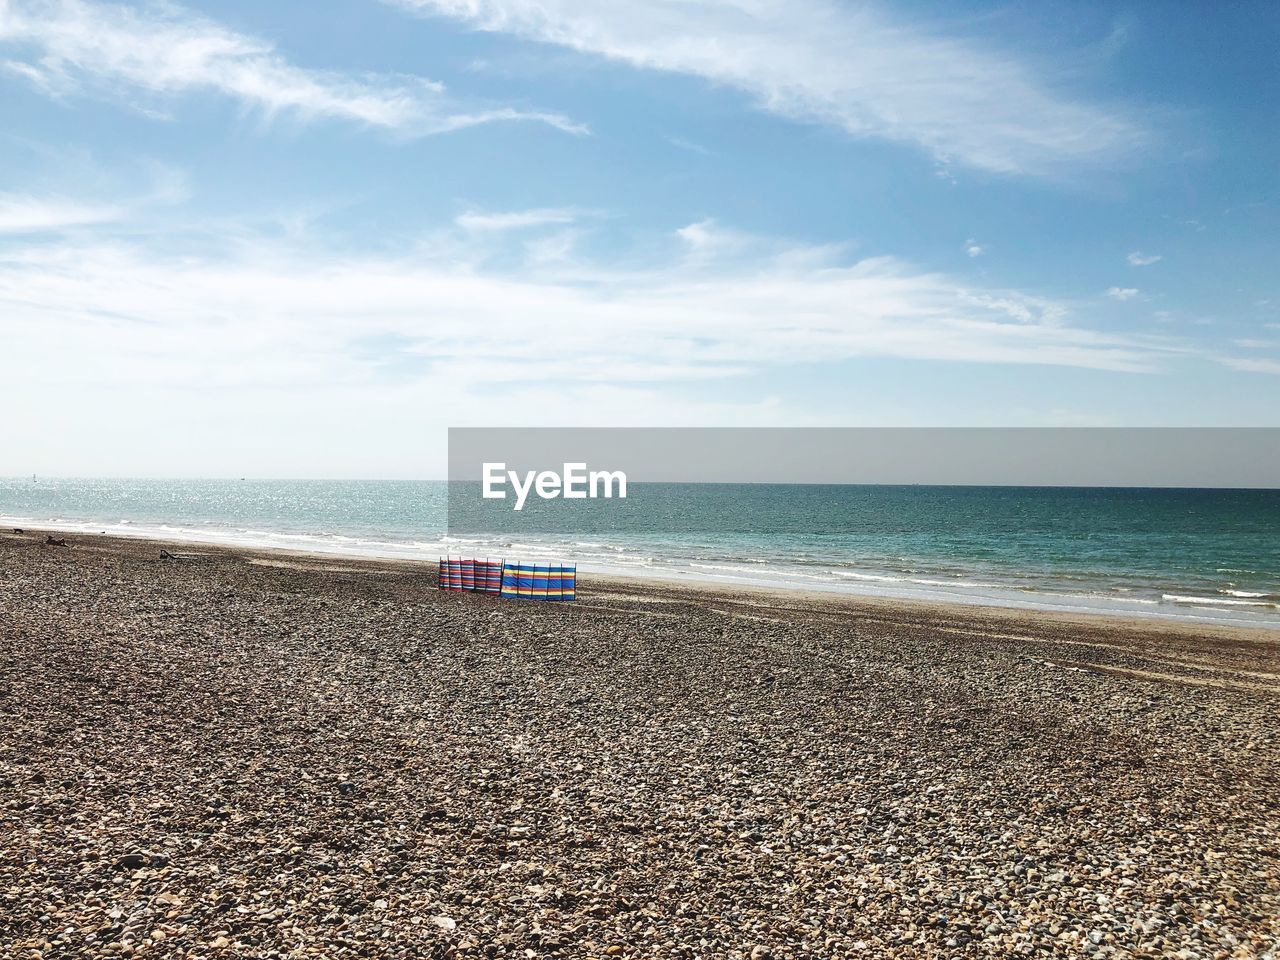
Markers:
{"x": 1200, "y": 555}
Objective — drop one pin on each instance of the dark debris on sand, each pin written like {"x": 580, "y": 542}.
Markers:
{"x": 320, "y": 758}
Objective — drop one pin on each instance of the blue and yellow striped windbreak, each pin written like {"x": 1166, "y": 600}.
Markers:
{"x": 536, "y": 581}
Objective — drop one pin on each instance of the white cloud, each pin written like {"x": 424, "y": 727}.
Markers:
{"x": 162, "y": 50}
{"x": 1252, "y": 364}
{"x": 33, "y": 213}
{"x": 973, "y": 248}
{"x": 700, "y": 234}
{"x": 689, "y": 145}
{"x": 554, "y": 247}
{"x": 515, "y": 219}
{"x": 849, "y": 66}
{"x": 1140, "y": 259}
{"x": 706, "y": 238}
{"x": 269, "y": 351}
{"x": 28, "y": 214}
{"x": 1122, "y": 293}
{"x": 281, "y": 313}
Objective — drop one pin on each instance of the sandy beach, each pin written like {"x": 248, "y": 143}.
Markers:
{"x": 246, "y": 754}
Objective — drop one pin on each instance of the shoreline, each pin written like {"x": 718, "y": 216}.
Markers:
{"x": 674, "y": 580}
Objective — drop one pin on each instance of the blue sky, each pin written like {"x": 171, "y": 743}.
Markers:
{"x": 299, "y": 239}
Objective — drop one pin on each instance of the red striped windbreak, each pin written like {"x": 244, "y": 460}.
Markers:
{"x": 467, "y": 575}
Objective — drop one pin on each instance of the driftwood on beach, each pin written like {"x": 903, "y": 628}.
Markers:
{"x": 178, "y": 557}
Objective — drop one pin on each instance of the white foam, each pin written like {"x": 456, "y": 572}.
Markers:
{"x": 868, "y": 576}
{"x": 923, "y": 581}
{"x": 1216, "y": 601}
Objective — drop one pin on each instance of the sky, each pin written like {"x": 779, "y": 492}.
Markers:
{"x": 301, "y": 240}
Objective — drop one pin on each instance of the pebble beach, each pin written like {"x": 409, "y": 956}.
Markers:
{"x": 252, "y": 754}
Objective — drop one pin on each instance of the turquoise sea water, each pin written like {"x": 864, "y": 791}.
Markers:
{"x": 1192, "y": 554}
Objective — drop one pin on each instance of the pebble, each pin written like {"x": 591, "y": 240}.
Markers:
{"x": 321, "y": 759}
